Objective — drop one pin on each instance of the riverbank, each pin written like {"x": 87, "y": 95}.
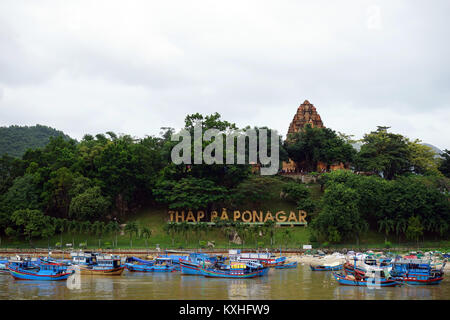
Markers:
{"x": 303, "y": 257}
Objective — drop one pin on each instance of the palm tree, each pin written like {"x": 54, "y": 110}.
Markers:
{"x": 60, "y": 227}
{"x": 72, "y": 228}
{"x": 86, "y": 228}
{"x": 100, "y": 228}
{"x": 388, "y": 225}
{"x": 49, "y": 229}
{"x": 184, "y": 227}
{"x": 131, "y": 228}
{"x": 116, "y": 229}
{"x": 269, "y": 228}
{"x": 169, "y": 228}
{"x": 146, "y": 233}
{"x": 287, "y": 236}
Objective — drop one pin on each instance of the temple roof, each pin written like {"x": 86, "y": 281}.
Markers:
{"x": 306, "y": 114}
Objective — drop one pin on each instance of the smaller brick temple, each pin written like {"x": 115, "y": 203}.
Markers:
{"x": 306, "y": 114}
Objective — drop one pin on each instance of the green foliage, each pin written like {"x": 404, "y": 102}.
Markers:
{"x": 444, "y": 166}
{"x": 423, "y": 158}
{"x": 31, "y": 223}
{"x": 15, "y": 140}
{"x": 339, "y": 217}
{"x": 386, "y": 205}
{"x": 384, "y": 153}
{"x": 89, "y": 205}
{"x": 191, "y": 193}
{"x": 415, "y": 228}
{"x": 312, "y": 145}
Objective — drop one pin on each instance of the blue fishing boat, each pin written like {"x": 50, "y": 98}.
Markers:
{"x": 237, "y": 270}
{"x": 43, "y": 271}
{"x": 159, "y": 265}
{"x": 416, "y": 272}
{"x": 327, "y": 267}
{"x": 196, "y": 260}
{"x": 3, "y": 263}
{"x": 267, "y": 259}
{"x": 289, "y": 265}
{"x": 139, "y": 260}
{"x": 366, "y": 281}
{"x": 81, "y": 258}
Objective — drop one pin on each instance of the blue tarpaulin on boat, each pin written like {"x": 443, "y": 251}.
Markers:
{"x": 141, "y": 260}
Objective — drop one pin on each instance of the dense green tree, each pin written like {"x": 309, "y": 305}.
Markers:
{"x": 31, "y": 223}
{"x": 444, "y": 166}
{"x": 384, "y": 153}
{"x": 311, "y": 145}
{"x": 339, "y": 217}
{"x": 89, "y": 205}
{"x": 423, "y": 158}
{"x": 415, "y": 228}
{"x": 190, "y": 193}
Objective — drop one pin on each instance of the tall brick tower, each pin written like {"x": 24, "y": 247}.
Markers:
{"x": 306, "y": 114}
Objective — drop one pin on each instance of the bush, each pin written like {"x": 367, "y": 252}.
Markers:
{"x": 325, "y": 244}
{"x": 387, "y": 245}
{"x": 202, "y": 244}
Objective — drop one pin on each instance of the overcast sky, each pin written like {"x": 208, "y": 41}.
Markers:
{"x": 135, "y": 66}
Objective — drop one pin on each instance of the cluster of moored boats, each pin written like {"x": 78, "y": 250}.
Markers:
{"x": 236, "y": 265}
{"x": 357, "y": 270}
{"x": 362, "y": 270}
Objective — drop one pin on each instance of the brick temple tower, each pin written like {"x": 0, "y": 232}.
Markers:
{"x": 306, "y": 114}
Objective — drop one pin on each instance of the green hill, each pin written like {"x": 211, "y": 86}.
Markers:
{"x": 15, "y": 140}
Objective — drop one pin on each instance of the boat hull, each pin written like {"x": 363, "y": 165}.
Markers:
{"x": 290, "y": 265}
{"x": 210, "y": 273}
{"x": 189, "y": 268}
{"x": 24, "y": 275}
{"x": 326, "y": 268}
{"x": 102, "y": 272}
{"x": 343, "y": 280}
{"x": 149, "y": 268}
{"x": 419, "y": 282}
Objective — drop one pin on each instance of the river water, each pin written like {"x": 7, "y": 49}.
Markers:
{"x": 279, "y": 284}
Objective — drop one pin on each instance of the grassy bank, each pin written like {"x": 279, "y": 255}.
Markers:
{"x": 155, "y": 219}
{"x": 284, "y": 237}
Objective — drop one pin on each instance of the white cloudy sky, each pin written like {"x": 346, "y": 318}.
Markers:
{"x": 135, "y": 66}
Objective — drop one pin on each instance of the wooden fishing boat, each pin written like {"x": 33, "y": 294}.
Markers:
{"x": 103, "y": 265}
{"x": 43, "y": 272}
{"x": 236, "y": 270}
{"x": 93, "y": 271}
{"x": 327, "y": 267}
{"x": 350, "y": 280}
{"x": 289, "y": 265}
